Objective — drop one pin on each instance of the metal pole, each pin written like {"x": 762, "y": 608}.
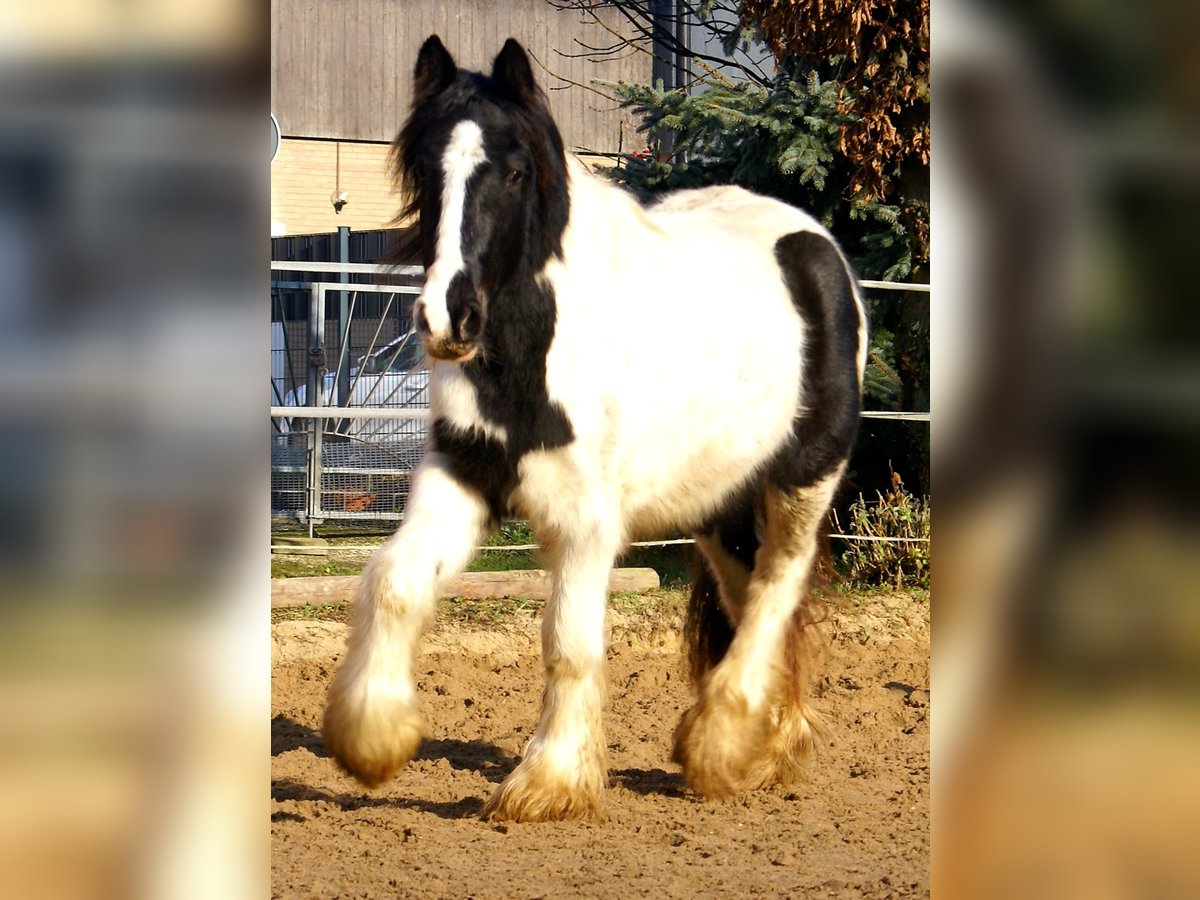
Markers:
{"x": 662, "y": 68}
{"x": 682, "y": 66}
{"x": 343, "y": 380}
{"x": 343, "y": 372}
{"x": 316, "y": 389}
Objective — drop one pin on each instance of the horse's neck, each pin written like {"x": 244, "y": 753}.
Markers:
{"x": 605, "y": 220}
{"x": 525, "y": 329}
{"x": 598, "y": 203}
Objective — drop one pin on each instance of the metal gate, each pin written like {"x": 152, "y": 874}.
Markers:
{"x": 349, "y": 391}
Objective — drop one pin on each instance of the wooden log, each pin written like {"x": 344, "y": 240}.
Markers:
{"x": 290, "y": 545}
{"x": 531, "y": 583}
{"x": 315, "y": 591}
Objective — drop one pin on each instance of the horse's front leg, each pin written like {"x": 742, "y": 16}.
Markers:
{"x": 564, "y": 767}
{"x": 372, "y": 724}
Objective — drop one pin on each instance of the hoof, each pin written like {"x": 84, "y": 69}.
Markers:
{"x": 723, "y": 748}
{"x": 372, "y": 738}
{"x": 532, "y": 794}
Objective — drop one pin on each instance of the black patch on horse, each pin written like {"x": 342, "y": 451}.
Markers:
{"x": 509, "y": 376}
{"x": 735, "y": 525}
{"x": 821, "y": 287}
{"x": 480, "y": 461}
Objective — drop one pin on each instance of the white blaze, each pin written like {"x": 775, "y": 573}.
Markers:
{"x": 464, "y": 154}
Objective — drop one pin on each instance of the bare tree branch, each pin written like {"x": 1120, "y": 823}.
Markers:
{"x": 569, "y": 82}
{"x": 648, "y": 31}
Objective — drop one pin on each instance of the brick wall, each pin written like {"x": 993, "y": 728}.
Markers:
{"x": 306, "y": 172}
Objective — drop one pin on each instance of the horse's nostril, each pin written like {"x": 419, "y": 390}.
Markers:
{"x": 422, "y": 321}
{"x": 471, "y": 325}
{"x": 465, "y": 308}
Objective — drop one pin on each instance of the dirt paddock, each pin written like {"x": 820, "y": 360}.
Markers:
{"x": 857, "y": 827}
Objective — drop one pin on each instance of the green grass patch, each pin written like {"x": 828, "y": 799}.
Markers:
{"x": 283, "y": 566}
{"x": 335, "y": 530}
{"x": 497, "y": 610}
{"x": 510, "y": 534}
{"x": 503, "y": 561}
{"x": 672, "y": 563}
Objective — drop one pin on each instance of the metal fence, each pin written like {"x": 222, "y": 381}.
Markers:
{"x": 349, "y": 390}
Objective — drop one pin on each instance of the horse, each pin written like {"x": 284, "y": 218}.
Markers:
{"x": 608, "y": 371}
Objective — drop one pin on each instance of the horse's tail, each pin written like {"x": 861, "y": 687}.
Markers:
{"x": 707, "y": 632}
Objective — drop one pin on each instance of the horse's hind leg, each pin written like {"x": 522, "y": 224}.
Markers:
{"x": 372, "y": 725}
{"x": 750, "y": 726}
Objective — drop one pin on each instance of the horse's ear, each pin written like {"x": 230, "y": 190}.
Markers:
{"x": 434, "y": 72}
{"x": 511, "y": 73}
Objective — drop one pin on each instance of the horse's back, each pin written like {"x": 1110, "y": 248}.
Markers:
{"x": 734, "y": 211}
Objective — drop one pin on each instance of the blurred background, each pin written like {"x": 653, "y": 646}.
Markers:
{"x": 1066, "y": 427}
{"x": 134, "y": 670}
{"x": 134, "y": 667}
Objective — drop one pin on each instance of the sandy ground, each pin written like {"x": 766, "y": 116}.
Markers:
{"x": 857, "y": 827}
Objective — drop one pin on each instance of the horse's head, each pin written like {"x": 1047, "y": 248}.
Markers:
{"x": 482, "y": 167}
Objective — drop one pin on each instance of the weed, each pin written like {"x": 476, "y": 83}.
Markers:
{"x": 880, "y": 560}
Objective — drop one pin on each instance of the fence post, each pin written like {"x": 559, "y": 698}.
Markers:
{"x": 344, "y": 354}
{"x": 315, "y": 397}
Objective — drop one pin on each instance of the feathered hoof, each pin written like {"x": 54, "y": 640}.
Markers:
{"x": 723, "y": 748}
{"x": 533, "y": 794}
{"x": 792, "y": 745}
{"x": 372, "y": 739}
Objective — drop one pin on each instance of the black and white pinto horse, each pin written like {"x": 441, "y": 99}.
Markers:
{"x": 608, "y": 372}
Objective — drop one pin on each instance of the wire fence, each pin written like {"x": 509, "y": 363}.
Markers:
{"x": 349, "y": 394}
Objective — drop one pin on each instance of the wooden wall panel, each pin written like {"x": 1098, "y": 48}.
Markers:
{"x": 342, "y": 68}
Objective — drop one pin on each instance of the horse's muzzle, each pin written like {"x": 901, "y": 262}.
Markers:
{"x": 465, "y": 314}
{"x": 449, "y": 350}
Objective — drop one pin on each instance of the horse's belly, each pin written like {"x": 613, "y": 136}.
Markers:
{"x": 688, "y": 457}
{"x": 682, "y": 503}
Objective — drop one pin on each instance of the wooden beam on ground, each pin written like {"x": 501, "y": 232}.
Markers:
{"x": 531, "y": 583}
{"x": 300, "y": 546}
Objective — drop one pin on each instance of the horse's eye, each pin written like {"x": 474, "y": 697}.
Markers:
{"x": 514, "y": 177}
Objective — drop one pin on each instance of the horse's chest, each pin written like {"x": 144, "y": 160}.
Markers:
{"x": 484, "y": 426}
